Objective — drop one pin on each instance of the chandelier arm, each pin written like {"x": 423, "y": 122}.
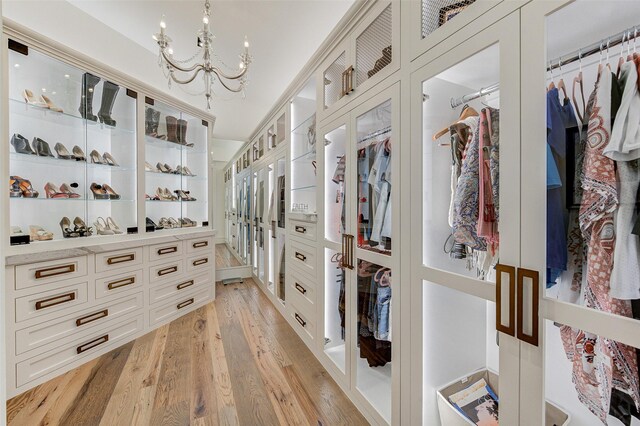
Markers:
{"x": 188, "y": 80}
{"x": 221, "y": 73}
{"x": 226, "y": 86}
{"x": 172, "y": 64}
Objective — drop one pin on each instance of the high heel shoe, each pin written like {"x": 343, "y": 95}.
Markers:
{"x": 112, "y": 194}
{"x": 184, "y": 195}
{"x": 28, "y": 191}
{"x": 78, "y": 153}
{"x": 164, "y": 223}
{"x": 38, "y": 233}
{"x": 187, "y": 171}
{"x": 161, "y": 167}
{"x": 21, "y": 144}
{"x": 108, "y": 159}
{"x": 174, "y": 223}
{"x": 169, "y": 196}
{"x": 89, "y": 82}
{"x": 96, "y": 158}
{"x": 102, "y": 228}
{"x": 150, "y": 222}
{"x": 62, "y": 151}
{"x": 172, "y": 129}
{"x": 169, "y": 169}
{"x": 113, "y": 226}
{"x": 64, "y": 188}
{"x": 31, "y": 99}
{"x": 42, "y": 148}
{"x": 52, "y": 191}
{"x": 67, "y": 231}
{"x": 14, "y": 187}
{"x": 49, "y": 104}
{"x": 81, "y": 228}
{"x": 99, "y": 193}
{"x": 149, "y": 168}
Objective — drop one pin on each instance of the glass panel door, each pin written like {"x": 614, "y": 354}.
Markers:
{"x": 373, "y": 49}
{"x": 278, "y": 224}
{"x": 303, "y": 150}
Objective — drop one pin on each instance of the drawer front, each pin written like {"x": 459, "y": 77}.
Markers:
{"x": 201, "y": 263}
{"x": 301, "y": 229}
{"x": 179, "y": 306}
{"x": 165, "y": 251}
{"x": 57, "y": 332}
{"x": 55, "y": 271}
{"x": 200, "y": 245}
{"x": 303, "y": 257}
{"x": 166, "y": 271}
{"x": 36, "y": 367}
{"x": 174, "y": 290}
{"x": 114, "y": 260}
{"x": 49, "y": 303}
{"x": 302, "y": 287}
{"x": 119, "y": 284}
{"x": 302, "y": 323}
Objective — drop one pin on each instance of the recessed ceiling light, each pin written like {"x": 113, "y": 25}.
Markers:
{"x": 17, "y": 65}
{"x": 66, "y": 76}
{"x": 90, "y": 89}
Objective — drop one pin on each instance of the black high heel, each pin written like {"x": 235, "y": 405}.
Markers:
{"x": 21, "y": 144}
{"x": 81, "y": 228}
{"x": 67, "y": 232}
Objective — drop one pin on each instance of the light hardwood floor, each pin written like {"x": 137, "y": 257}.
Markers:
{"x": 234, "y": 361}
{"x": 224, "y": 258}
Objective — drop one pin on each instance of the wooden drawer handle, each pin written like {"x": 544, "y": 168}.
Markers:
{"x": 184, "y": 285}
{"x": 301, "y": 256}
{"x": 166, "y": 271}
{"x": 121, "y": 283}
{"x": 185, "y": 303}
{"x": 167, "y": 250}
{"x": 300, "y": 288}
{"x": 121, "y": 259}
{"x": 53, "y": 301}
{"x": 200, "y": 261}
{"x": 200, "y": 244}
{"x": 93, "y": 343}
{"x": 301, "y": 229}
{"x": 300, "y": 320}
{"x": 92, "y": 317}
{"x": 56, "y": 270}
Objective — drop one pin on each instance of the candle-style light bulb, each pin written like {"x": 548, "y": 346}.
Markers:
{"x": 246, "y": 43}
{"x": 241, "y": 65}
{"x": 205, "y": 20}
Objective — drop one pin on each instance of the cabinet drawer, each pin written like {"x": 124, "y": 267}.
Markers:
{"x": 119, "y": 284}
{"x": 57, "y": 332}
{"x": 174, "y": 290}
{"x": 179, "y": 306}
{"x": 165, "y": 251}
{"x": 303, "y": 287}
{"x": 201, "y": 263}
{"x": 46, "y": 303}
{"x": 118, "y": 259}
{"x": 200, "y": 245}
{"x": 302, "y": 229}
{"x": 302, "y": 323}
{"x": 303, "y": 257}
{"x": 37, "y": 274}
{"x": 166, "y": 271}
{"x": 36, "y": 367}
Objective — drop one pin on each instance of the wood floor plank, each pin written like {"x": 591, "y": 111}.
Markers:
{"x": 203, "y": 394}
{"x": 224, "y": 257}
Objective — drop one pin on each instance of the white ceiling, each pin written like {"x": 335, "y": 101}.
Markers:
{"x": 283, "y": 35}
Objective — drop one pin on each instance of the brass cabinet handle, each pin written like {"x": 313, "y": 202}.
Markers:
{"x": 511, "y": 328}
{"x": 300, "y": 320}
{"x": 55, "y": 270}
{"x": 93, "y": 343}
{"x": 301, "y": 256}
{"x": 166, "y": 271}
{"x": 92, "y": 317}
{"x": 121, "y": 259}
{"x": 167, "y": 250}
{"x": 185, "y": 303}
{"x": 349, "y": 79}
{"x": 121, "y": 283}
{"x": 300, "y": 288}
{"x": 200, "y": 261}
{"x": 301, "y": 229}
{"x": 200, "y": 244}
{"x": 532, "y": 338}
{"x": 56, "y": 300}
{"x": 184, "y": 285}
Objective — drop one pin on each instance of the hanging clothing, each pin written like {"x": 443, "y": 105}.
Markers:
{"x": 624, "y": 144}
{"x": 487, "y": 226}
{"x": 376, "y": 352}
{"x": 281, "y": 201}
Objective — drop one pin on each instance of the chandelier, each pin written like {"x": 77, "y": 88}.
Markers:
{"x": 211, "y": 72}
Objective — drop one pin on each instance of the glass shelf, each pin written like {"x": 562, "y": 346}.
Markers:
{"x": 304, "y": 188}
{"x": 307, "y": 156}
{"x": 61, "y": 162}
{"x": 161, "y": 143}
{"x": 175, "y": 175}
{"x": 302, "y": 128}
{"x": 71, "y": 199}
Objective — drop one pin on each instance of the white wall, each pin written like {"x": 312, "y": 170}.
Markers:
{"x": 222, "y": 151}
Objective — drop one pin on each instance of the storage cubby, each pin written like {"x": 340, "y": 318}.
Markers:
{"x": 303, "y": 150}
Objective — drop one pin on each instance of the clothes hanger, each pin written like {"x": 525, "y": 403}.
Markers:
{"x": 600, "y": 61}
{"x": 466, "y": 112}
{"x": 561, "y": 85}
{"x": 552, "y": 85}
{"x": 621, "y": 59}
{"x": 578, "y": 79}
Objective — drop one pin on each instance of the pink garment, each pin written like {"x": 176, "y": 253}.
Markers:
{"x": 487, "y": 226}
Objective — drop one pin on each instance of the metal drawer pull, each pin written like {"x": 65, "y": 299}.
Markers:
{"x": 53, "y": 301}
{"x": 300, "y": 288}
{"x": 300, "y": 320}
{"x": 301, "y": 229}
{"x": 301, "y": 256}
{"x": 184, "y": 285}
{"x": 166, "y": 271}
{"x": 200, "y": 244}
{"x": 93, "y": 343}
{"x": 200, "y": 261}
{"x": 185, "y": 303}
{"x": 167, "y": 250}
{"x": 92, "y": 317}
{"x": 121, "y": 259}
{"x": 56, "y": 270}
{"x": 121, "y": 283}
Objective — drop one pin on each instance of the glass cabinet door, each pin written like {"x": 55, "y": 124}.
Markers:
{"x": 278, "y": 224}
{"x": 281, "y": 126}
{"x": 303, "y": 150}
{"x": 334, "y": 78}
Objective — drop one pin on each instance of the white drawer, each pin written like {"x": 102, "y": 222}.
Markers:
{"x": 119, "y": 284}
{"x": 302, "y": 323}
{"x": 182, "y": 305}
{"x": 200, "y": 245}
{"x": 165, "y": 251}
{"x": 37, "y": 274}
{"x": 200, "y": 263}
{"x": 48, "y": 303}
{"x": 302, "y": 229}
{"x": 33, "y": 368}
{"x": 303, "y": 287}
{"x": 175, "y": 289}
{"x": 165, "y": 271}
{"x": 118, "y": 259}
{"x": 57, "y": 332}
{"x": 303, "y": 257}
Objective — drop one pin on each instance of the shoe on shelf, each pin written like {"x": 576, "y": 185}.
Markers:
{"x": 62, "y": 152}
{"x": 172, "y": 129}
{"x": 168, "y": 169}
{"x": 81, "y": 228}
{"x": 28, "y": 191}
{"x": 113, "y": 226}
{"x": 150, "y": 222}
{"x": 67, "y": 231}
{"x": 169, "y": 196}
{"x": 108, "y": 159}
{"x": 95, "y": 157}
{"x": 187, "y": 171}
{"x": 52, "y": 191}
{"x": 31, "y": 99}
{"x": 21, "y": 144}
{"x": 101, "y": 227}
{"x": 78, "y": 153}
{"x": 113, "y": 195}
{"x": 174, "y": 223}
{"x": 161, "y": 167}
{"x": 149, "y": 168}
{"x": 16, "y": 230}
{"x": 164, "y": 223}
{"x": 109, "y": 93}
{"x": 184, "y": 195}
{"x": 89, "y": 82}
{"x": 42, "y": 148}
{"x": 49, "y": 104}
{"x": 70, "y": 192}
{"x": 186, "y": 222}
{"x": 14, "y": 187}
{"x": 38, "y": 233}
{"x": 99, "y": 193}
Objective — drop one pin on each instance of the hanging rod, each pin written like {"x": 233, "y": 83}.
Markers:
{"x": 480, "y": 93}
{"x": 615, "y": 40}
{"x": 376, "y": 133}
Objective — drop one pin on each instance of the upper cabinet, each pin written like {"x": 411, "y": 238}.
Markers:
{"x": 369, "y": 54}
